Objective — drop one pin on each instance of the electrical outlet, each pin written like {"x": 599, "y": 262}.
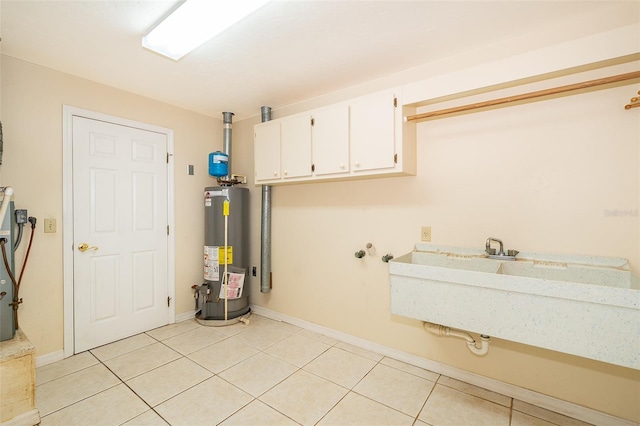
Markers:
{"x": 21, "y": 216}
{"x": 425, "y": 234}
{"x": 50, "y": 226}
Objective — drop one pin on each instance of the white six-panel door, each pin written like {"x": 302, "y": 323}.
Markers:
{"x": 120, "y": 212}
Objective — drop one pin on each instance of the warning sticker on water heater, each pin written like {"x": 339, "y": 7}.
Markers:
{"x": 229, "y": 258}
{"x": 208, "y": 195}
{"x": 211, "y": 263}
{"x": 213, "y": 258}
{"x": 235, "y": 283}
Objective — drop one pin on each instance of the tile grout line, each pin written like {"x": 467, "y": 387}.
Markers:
{"x": 349, "y": 390}
{"x": 133, "y": 391}
{"x": 81, "y": 399}
{"x": 510, "y": 411}
{"x": 85, "y": 397}
{"x": 68, "y": 374}
{"x": 225, "y": 337}
{"x": 426, "y": 399}
{"x": 262, "y": 351}
{"x": 333, "y": 345}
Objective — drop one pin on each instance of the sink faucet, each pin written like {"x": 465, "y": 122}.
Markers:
{"x": 492, "y": 251}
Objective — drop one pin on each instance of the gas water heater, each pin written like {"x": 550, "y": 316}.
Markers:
{"x": 224, "y": 297}
{"x": 232, "y": 255}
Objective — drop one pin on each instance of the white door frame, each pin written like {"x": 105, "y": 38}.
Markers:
{"x": 68, "y": 112}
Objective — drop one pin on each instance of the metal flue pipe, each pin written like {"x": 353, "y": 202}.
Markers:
{"x": 265, "y": 225}
{"x": 227, "y": 118}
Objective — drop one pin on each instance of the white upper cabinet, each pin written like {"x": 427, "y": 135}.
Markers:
{"x": 330, "y": 140}
{"x": 372, "y": 131}
{"x": 362, "y": 137}
{"x": 295, "y": 145}
{"x": 266, "y": 151}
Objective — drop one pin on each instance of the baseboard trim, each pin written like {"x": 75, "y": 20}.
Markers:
{"x": 29, "y": 418}
{"x": 59, "y": 355}
{"x": 49, "y": 358}
{"x": 185, "y": 316}
{"x": 557, "y": 405}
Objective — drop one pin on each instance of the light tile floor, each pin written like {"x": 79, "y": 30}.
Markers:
{"x": 264, "y": 373}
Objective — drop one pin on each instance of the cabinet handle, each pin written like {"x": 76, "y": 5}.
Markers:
{"x": 342, "y": 165}
{"x": 357, "y": 164}
{"x": 275, "y": 174}
{"x": 286, "y": 173}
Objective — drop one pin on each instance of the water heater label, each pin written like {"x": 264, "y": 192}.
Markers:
{"x": 235, "y": 284}
{"x": 208, "y": 195}
{"x": 229, "y": 257}
{"x": 211, "y": 264}
{"x": 224, "y": 192}
{"x": 213, "y": 258}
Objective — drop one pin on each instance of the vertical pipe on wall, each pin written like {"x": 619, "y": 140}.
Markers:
{"x": 265, "y": 225}
{"x": 227, "y": 118}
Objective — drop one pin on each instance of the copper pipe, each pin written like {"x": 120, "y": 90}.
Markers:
{"x": 530, "y": 95}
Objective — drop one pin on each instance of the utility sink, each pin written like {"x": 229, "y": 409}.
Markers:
{"x": 581, "y": 305}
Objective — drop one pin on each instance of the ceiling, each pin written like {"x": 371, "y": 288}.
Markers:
{"x": 284, "y": 53}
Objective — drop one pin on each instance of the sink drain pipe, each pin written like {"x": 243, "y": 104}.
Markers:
{"x": 472, "y": 345}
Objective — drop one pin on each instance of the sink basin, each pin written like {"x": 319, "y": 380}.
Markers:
{"x": 461, "y": 262}
{"x": 611, "y": 277}
{"x": 582, "y": 305}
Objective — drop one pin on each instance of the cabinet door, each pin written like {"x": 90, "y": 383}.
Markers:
{"x": 330, "y": 140}
{"x": 372, "y": 131}
{"x": 295, "y": 137}
{"x": 266, "y": 151}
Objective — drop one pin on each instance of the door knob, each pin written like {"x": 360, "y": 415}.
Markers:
{"x": 84, "y": 247}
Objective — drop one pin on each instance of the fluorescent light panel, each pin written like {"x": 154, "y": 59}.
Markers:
{"x": 194, "y": 22}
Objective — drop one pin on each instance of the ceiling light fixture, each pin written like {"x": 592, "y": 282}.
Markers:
{"x": 194, "y": 22}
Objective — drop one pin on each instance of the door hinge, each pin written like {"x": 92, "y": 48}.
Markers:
{"x": 395, "y": 158}
{"x": 168, "y": 301}
{"x": 395, "y": 102}
{"x": 313, "y": 121}
{"x": 313, "y": 168}
{"x": 167, "y": 229}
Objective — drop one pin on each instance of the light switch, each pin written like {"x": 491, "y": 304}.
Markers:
{"x": 50, "y": 226}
